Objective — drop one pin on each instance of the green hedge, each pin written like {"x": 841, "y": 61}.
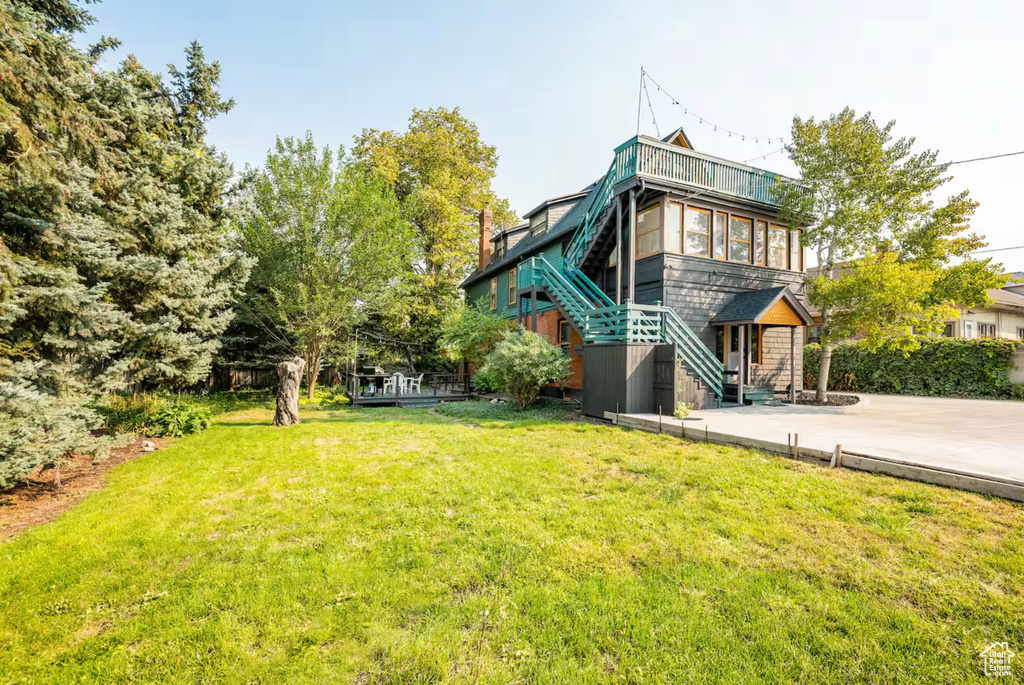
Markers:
{"x": 941, "y": 367}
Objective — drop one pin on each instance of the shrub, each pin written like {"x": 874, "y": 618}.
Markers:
{"x": 129, "y": 413}
{"x": 484, "y": 381}
{"x": 176, "y": 420}
{"x": 941, "y": 367}
{"x": 524, "y": 362}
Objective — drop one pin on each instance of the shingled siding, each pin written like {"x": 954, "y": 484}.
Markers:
{"x": 697, "y": 288}
{"x": 774, "y": 367}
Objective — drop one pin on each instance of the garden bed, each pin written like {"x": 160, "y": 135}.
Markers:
{"x": 834, "y": 399}
{"x": 47, "y": 494}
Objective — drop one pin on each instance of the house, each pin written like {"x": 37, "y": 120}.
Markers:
{"x": 1003, "y": 317}
{"x": 670, "y": 278}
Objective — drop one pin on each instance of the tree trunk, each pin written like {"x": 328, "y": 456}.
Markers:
{"x": 826, "y": 364}
{"x": 290, "y": 375}
{"x": 314, "y": 355}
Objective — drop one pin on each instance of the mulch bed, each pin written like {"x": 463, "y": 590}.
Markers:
{"x": 45, "y": 495}
{"x": 834, "y": 400}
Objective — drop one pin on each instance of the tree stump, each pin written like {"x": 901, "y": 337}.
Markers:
{"x": 290, "y": 374}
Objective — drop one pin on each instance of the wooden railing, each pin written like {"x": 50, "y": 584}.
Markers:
{"x": 659, "y": 161}
{"x": 656, "y": 324}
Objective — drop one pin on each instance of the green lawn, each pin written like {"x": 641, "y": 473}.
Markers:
{"x": 384, "y": 546}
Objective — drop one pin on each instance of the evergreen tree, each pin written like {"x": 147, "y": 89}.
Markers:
{"x": 113, "y": 259}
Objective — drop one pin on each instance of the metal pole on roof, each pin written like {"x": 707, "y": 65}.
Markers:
{"x": 639, "y": 99}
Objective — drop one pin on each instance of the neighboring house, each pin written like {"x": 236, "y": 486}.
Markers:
{"x": 669, "y": 279}
{"x": 1003, "y": 317}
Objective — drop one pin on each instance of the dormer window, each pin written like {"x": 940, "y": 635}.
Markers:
{"x": 539, "y": 222}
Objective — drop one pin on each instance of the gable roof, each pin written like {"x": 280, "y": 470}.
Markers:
{"x": 555, "y": 201}
{"x": 751, "y": 307}
{"x": 531, "y": 241}
{"x": 678, "y": 137}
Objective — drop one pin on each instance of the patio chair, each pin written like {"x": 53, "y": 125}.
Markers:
{"x": 413, "y": 384}
{"x": 395, "y": 380}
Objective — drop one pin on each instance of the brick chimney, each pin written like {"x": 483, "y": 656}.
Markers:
{"x": 485, "y": 238}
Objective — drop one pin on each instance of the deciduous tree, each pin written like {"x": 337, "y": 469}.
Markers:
{"x": 441, "y": 171}
{"x": 889, "y": 258}
{"x": 329, "y": 243}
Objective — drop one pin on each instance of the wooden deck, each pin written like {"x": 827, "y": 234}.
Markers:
{"x": 425, "y": 399}
{"x": 366, "y": 390}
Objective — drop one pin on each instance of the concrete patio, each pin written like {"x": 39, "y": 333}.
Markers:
{"x": 976, "y": 437}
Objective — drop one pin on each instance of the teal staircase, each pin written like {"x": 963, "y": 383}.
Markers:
{"x": 599, "y": 320}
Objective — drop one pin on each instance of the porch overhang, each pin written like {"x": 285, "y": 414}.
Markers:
{"x": 769, "y": 307}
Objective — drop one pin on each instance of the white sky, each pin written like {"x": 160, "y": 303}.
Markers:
{"x": 554, "y": 85}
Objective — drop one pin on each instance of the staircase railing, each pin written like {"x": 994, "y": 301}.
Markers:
{"x": 586, "y": 232}
{"x": 657, "y": 324}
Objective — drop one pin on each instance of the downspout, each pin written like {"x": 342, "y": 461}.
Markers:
{"x": 618, "y": 250}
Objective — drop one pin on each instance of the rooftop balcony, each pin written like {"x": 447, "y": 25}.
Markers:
{"x": 653, "y": 160}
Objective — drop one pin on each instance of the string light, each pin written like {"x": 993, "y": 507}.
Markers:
{"x": 686, "y": 110}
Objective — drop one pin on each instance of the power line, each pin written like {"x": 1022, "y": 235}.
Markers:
{"x": 754, "y": 159}
{"x": 705, "y": 120}
{"x": 999, "y": 249}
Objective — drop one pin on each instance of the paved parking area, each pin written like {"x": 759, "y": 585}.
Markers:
{"x": 982, "y": 437}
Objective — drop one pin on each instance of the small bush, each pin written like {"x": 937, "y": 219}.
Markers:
{"x": 524, "y": 362}
{"x": 129, "y": 413}
{"x": 484, "y": 381}
{"x": 176, "y": 420}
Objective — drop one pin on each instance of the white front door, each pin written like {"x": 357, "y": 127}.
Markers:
{"x": 732, "y": 348}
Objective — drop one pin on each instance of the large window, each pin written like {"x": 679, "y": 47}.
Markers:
{"x": 796, "y": 250}
{"x": 648, "y": 231}
{"x": 719, "y": 236}
{"x": 494, "y": 293}
{"x": 777, "y": 246}
{"x": 760, "y": 232}
{"x": 739, "y": 238}
{"x": 674, "y": 230}
{"x": 697, "y": 231}
{"x": 512, "y": 286}
{"x": 986, "y": 330}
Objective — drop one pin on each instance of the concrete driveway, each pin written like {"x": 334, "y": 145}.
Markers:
{"x": 983, "y": 437}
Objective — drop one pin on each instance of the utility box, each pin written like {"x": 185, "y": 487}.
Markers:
{"x": 623, "y": 377}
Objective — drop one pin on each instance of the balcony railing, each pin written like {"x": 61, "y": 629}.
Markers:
{"x": 660, "y": 161}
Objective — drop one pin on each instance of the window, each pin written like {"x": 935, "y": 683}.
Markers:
{"x": 949, "y": 330}
{"x": 511, "y": 286}
{"x": 777, "y": 246}
{"x": 494, "y": 293}
{"x": 796, "y": 250}
{"x": 759, "y": 235}
{"x": 739, "y": 239}
{"x": 674, "y": 230}
{"x": 719, "y": 237}
{"x": 968, "y": 329}
{"x": 986, "y": 330}
{"x": 697, "y": 231}
{"x": 755, "y": 344}
{"x": 648, "y": 231}
{"x": 564, "y": 336}
{"x": 1020, "y": 334}
{"x": 539, "y": 222}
